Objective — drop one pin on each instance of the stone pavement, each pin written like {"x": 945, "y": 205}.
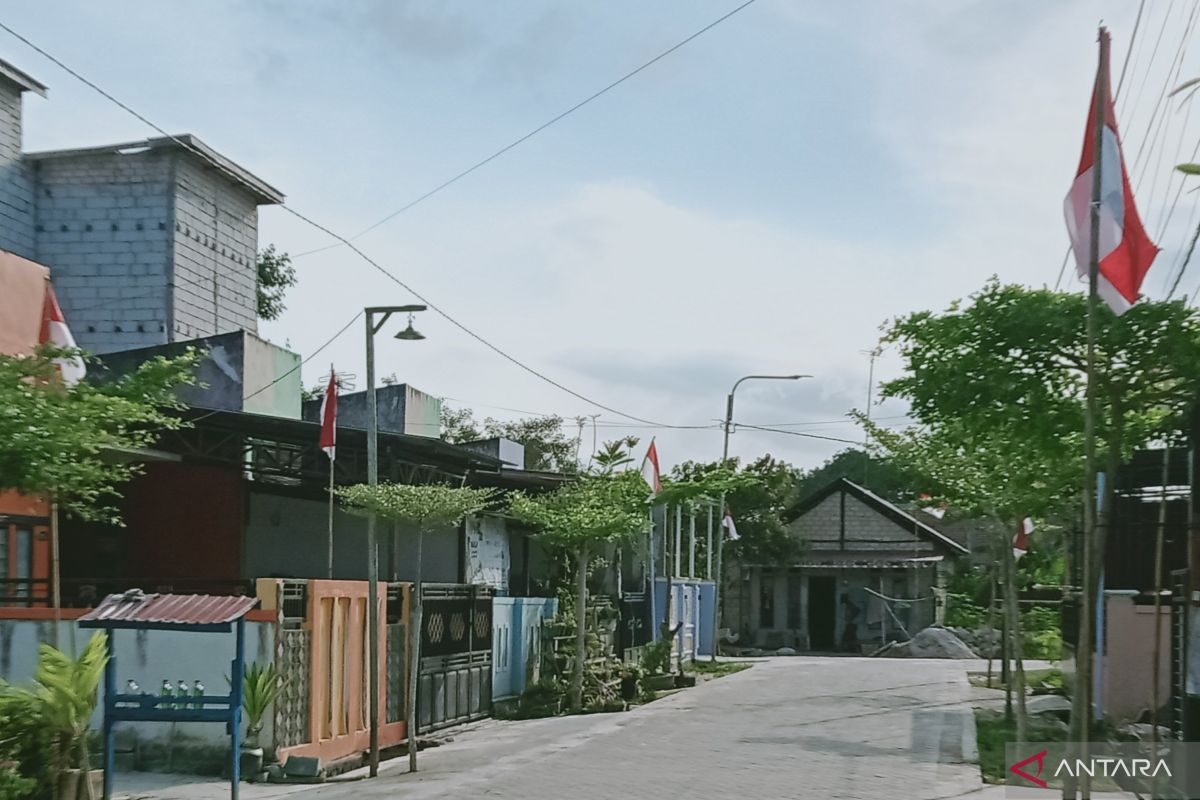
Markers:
{"x": 793, "y": 727}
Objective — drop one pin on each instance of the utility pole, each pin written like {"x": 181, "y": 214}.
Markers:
{"x": 874, "y": 354}
{"x": 373, "y": 694}
{"x": 728, "y": 427}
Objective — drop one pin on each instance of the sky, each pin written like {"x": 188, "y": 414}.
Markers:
{"x": 760, "y": 201}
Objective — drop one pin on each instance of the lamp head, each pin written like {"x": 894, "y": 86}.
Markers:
{"x": 410, "y": 334}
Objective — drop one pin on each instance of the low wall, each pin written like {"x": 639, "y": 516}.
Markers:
{"x": 147, "y": 657}
{"x": 517, "y": 642}
{"x": 1128, "y": 679}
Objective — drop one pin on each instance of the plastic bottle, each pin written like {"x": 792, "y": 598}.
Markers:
{"x": 198, "y": 692}
{"x": 166, "y": 693}
{"x": 131, "y": 687}
{"x": 184, "y": 692}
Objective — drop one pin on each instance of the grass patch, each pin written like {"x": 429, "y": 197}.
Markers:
{"x": 719, "y": 669}
{"x": 1039, "y": 681}
{"x": 993, "y": 732}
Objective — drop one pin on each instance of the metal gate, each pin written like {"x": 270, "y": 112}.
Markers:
{"x": 455, "y": 677}
{"x": 1185, "y": 674}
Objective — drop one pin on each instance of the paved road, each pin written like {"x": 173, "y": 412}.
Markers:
{"x": 787, "y": 728}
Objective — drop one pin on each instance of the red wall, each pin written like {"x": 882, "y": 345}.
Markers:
{"x": 185, "y": 521}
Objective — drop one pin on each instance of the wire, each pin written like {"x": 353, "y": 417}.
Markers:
{"x": 353, "y": 248}
{"x": 794, "y": 433}
{"x": 521, "y": 140}
{"x": 1129, "y": 50}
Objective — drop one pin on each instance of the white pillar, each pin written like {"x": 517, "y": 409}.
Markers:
{"x": 678, "y": 536}
{"x": 708, "y": 553}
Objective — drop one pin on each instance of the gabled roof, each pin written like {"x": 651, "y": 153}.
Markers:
{"x": 263, "y": 192}
{"x": 22, "y": 79}
{"x": 888, "y": 509}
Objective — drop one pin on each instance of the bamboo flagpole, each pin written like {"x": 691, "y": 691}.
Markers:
{"x": 328, "y": 443}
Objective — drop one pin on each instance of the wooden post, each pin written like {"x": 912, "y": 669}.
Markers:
{"x": 708, "y": 545}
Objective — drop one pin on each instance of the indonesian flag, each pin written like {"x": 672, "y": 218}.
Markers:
{"x": 650, "y": 472}
{"x": 1126, "y": 252}
{"x": 55, "y": 332}
{"x": 727, "y": 524}
{"x": 329, "y": 417}
{"x": 1021, "y": 540}
{"x": 938, "y": 511}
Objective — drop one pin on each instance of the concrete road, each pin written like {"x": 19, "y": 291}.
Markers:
{"x": 787, "y": 728}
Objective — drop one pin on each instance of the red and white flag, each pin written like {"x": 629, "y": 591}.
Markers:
{"x": 55, "y": 332}
{"x": 1125, "y": 250}
{"x": 1021, "y": 540}
{"x": 727, "y": 524}
{"x": 329, "y": 417}
{"x": 650, "y": 471}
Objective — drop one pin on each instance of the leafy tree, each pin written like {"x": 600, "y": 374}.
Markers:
{"x": 459, "y": 425}
{"x": 757, "y": 495}
{"x": 547, "y": 445}
{"x": 53, "y": 438}
{"x": 427, "y": 508}
{"x": 275, "y": 276}
{"x": 880, "y": 475}
{"x": 1003, "y": 375}
{"x": 616, "y": 454}
{"x": 582, "y": 517}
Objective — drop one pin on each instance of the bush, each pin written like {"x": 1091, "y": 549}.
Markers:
{"x": 963, "y": 612}
{"x": 656, "y": 656}
{"x": 1043, "y": 634}
{"x": 26, "y": 744}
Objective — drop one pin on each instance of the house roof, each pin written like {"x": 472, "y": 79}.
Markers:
{"x": 263, "y": 192}
{"x": 267, "y": 426}
{"x": 133, "y": 609}
{"x": 21, "y": 78}
{"x": 888, "y": 509}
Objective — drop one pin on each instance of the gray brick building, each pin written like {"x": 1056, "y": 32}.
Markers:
{"x": 148, "y": 242}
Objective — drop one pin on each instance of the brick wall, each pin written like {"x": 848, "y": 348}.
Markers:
{"x": 16, "y": 191}
{"x": 215, "y": 250}
{"x": 866, "y": 528}
{"x": 102, "y": 224}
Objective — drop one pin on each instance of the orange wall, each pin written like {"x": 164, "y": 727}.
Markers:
{"x": 22, "y": 505}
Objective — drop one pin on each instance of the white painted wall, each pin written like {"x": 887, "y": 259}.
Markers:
{"x": 489, "y": 554}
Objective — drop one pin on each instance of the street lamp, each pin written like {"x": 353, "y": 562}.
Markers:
{"x": 383, "y": 313}
{"x": 721, "y": 528}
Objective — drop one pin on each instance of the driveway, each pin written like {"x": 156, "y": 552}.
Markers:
{"x": 786, "y": 728}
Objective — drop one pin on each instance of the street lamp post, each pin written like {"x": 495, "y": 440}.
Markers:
{"x": 721, "y": 527}
{"x": 383, "y": 313}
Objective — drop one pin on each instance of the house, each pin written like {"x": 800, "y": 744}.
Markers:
{"x": 868, "y": 572}
{"x": 24, "y": 519}
{"x": 148, "y": 242}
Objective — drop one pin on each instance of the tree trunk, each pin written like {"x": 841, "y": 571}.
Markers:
{"x": 580, "y": 630}
{"x": 991, "y": 616}
{"x": 1017, "y": 675}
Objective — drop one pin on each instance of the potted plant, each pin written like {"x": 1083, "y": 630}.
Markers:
{"x": 63, "y": 697}
{"x": 261, "y": 687}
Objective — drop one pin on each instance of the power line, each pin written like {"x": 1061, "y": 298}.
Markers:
{"x": 353, "y": 248}
{"x": 522, "y": 139}
{"x": 794, "y": 433}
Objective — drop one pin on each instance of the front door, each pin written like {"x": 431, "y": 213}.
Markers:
{"x": 822, "y": 612}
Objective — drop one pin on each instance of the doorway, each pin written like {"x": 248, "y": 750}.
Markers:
{"x": 822, "y": 612}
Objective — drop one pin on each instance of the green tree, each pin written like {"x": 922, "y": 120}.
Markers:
{"x": 275, "y": 276}
{"x": 1003, "y": 374}
{"x": 54, "y": 439}
{"x": 880, "y": 475}
{"x": 426, "y": 508}
{"x": 582, "y": 517}
{"x": 459, "y": 425}
{"x": 758, "y": 496}
{"x": 547, "y": 445}
{"x": 616, "y": 454}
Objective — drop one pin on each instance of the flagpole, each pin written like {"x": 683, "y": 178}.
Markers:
{"x": 329, "y": 571}
{"x": 1081, "y": 702}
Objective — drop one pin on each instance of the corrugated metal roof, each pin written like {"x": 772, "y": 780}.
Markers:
{"x": 134, "y": 608}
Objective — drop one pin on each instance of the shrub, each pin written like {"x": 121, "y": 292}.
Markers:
{"x": 1043, "y": 633}
{"x": 27, "y": 745}
{"x": 963, "y": 612}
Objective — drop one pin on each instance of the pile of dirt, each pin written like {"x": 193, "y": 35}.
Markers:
{"x": 930, "y": 643}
